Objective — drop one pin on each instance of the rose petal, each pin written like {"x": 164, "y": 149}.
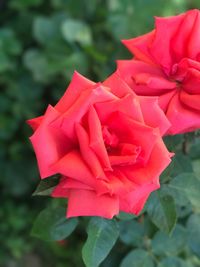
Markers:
{"x": 153, "y": 115}
{"x": 96, "y": 138}
{"x": 128, "y": 105}
{"x": 77, "y": 85}
{"x": 193, "y": 43}
{"x": 75, "y": 113}
{"x": 60, "y": 191}
{"x": 139, "y": 46}
{"x": 118, "y": 86}
{"x": 180, "y": 45}
{"x": 158, "y": 160}
{"x": 72, "y": 165}
{"x": 122, "y": 160}
{"x": 181, "y": 117}
{"x": 35, "y": 123}
{"x": 161, "y": 46}
{"x": 192, "y": 101}
{"x": 135, "y": 201}
{"x": 118, "y": 183}
{"x": 87, "y": 153}
{"x": 49, "y": 143}
{"x": 87, "y": 203}
{"x": 130, "y": 131}
{"x": 156, "y": 84}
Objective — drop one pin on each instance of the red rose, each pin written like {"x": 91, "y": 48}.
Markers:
{"x": 106, "y": 143}
{"x": 167, "y": 64}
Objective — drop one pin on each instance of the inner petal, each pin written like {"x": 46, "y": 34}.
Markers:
{"x": 110, "y": 138}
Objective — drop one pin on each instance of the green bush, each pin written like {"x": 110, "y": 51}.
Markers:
{"x": 41, "y": 44}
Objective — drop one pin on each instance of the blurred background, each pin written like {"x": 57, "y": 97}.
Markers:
{"x": 41, "y": 44}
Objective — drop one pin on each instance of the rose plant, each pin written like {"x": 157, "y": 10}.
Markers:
{"x": 105, "y": 142}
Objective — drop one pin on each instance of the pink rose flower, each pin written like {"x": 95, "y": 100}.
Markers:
{"x": 166, "y": 64}
{"x": 106, "y": 144}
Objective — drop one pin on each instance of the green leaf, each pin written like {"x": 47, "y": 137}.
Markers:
{"x": 137, "y": 258}
{"x": 181, "y": 163}
{"x": 44, "y": 30}
{"x": 196, "y": 167}
{"x": 195, "y": 148}
{"x": 189, "y": 186}
{"x": 9, "y": 43}
{"x": 23, "y": 4}
{"x": 46, "y": 186}
{"x": 131, "y": 232}
{"x": 102, "y": 235}
{"x": 162, "y": 211}
{"x": 38, "y": 64}
{"x": 6, "y": 62}
{"x": 52, "y": 224}
{"x": 76, "y": 31}
{"x": 174, "y": 262}
{"x": 124, "y": 216}
{"x": 163, "y": 244}
{"x": 183, "y": 205}
{"x": 193, "y": 227}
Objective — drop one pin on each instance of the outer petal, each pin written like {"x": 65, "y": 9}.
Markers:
{"x": 117, "y": 85}
{"x": 87, "y": 203}
{"x": 181, "y": 42}
{"x": 139, "y": 46}
{"x": 153, "y": 115}
{"x": 66, "y": 183}
{"x": 161, "y": 46}
{"x": 193, "y": 49}
{"x": 181, "y": 117}
{"x": 135, "y": 201}
{"x": 49, "y": 143}
{"x": 129, "y": 70}
{"x": 155, "y": 83}
{"x": 78, "y": 84}
{"x": 72, "y": 165}
{"x": 35, "y": 123}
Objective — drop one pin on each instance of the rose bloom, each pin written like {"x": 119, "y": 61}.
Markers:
{"x": 106, "y": 144}
{"x": 166, "y": 64}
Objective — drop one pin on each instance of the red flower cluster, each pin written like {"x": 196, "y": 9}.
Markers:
{"x": 105, "y": 139}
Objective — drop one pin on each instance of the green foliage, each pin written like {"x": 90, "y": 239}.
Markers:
{"x": 102, "y": 235}
{"x": 132, "y": 233}
{"x": 193, "y": 227}
{"x": 188, "y": 186}
{"x": 46, "y": 186}
{"x": 161, "y": 209}
{"x": 137, "y": 258}
{"x": 41, "y": 44}
{"x": 165, "y": 245}
{"x": 76, "y": 31}
{"x": 52, "y": 225}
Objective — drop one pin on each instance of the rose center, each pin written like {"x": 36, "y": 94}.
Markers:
{"x": 120, "y": 153}
{"x": 110, "y": 139}
{"x": 177, "y": 75}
